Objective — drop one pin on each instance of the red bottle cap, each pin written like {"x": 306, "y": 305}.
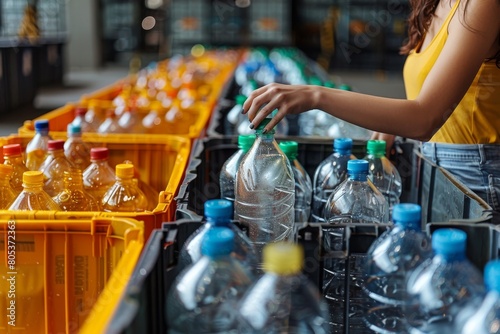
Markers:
{"x": 55, "y": 145}
{"x": 80, "y": 111}
{"x": 99, "y": 153}
{"x": 11, "y": 150}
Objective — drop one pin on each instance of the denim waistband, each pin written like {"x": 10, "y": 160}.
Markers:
{"x": 481, "y": 152}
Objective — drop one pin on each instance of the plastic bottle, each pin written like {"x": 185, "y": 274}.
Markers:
{"x": 131, "y": 121}
{"x": 33, "y": 197}
{"x": 94, "y": 115}
{"x": 265, "y": 191}
{"x": 203, "y": 298}
{"x": 303, "y": 184}
{"x": 124, "y": 195}
{"x": 389, "y": 261}
{"x": 80, "y": 120}
{"x": 482, "y": 316}
{"x": 356, "y": 200}
{"x": 154, "y": 122}
{"x": 329, "y": 174}
{"x": 36, "y": 150}
{"x": 13, "y": 156}
{"x": 74, "y": 197}
{"x": 283, "y": 300}
{"x": 441, "y": 286}
{"x": 98, "y": 177}
{"x": 150, "y": 193}
{"x": 76, "y": 150}
{"x": 7, "y": 194}
{"x": 234, "y": 115}
{"x": 218, "y": 213}
{"x": 227, "y": 177}
{"x": 383, "y": 173}
{"x": 110, "y": 123}
{"x": 53, "y": 167}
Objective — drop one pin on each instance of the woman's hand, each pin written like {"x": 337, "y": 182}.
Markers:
{"x": 288, "y": 99}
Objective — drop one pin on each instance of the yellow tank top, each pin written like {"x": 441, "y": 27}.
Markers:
{"x": 476, "y": 119}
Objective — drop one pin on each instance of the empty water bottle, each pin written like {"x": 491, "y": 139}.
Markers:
{"x": 482, "y": 316}
{"x": 390, "y": 259}
{"x": 203, "y": 298}
{"x": 441, "y": 286}
{"x": 303, "y": 185}
{"x": 218, "y": 213}
{"x": 356, "y": 200}
{"x": 383, "y": 173}
{"x": 227, "y": 177}
{"x": 283, "y": 300}
{"x": 329, "y": 174}
{"x": 234, "y": 116}
{"x": 76, "y": 150}
{"x": 265, "y": 191}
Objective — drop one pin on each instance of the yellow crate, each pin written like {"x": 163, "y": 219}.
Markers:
{"x": 61, "y": 268}
{"x": 160, "y": 160}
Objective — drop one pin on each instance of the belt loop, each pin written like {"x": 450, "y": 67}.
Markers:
{"x": 482, "y": 153}
{"x": 434, "y": 153}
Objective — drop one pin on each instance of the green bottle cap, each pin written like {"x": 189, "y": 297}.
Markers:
{"x": 345, "y": 87}
{"x": 315, "y": 81}
{"x": 376, "y": 147}
{"x": 290, "y": 148}
{"x": 240, "y": 99}
{"x": 245, "y": 142}
{"x": 329, "y": 84}
{"x": 263, "y": 124}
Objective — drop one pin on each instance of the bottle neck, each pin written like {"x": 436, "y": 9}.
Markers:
{"x": 13, "y": 160}
{"x": 219, "y": 221}
{"x": 343, "y": 153}
{"x": 32, "y": 187}
{"x": 56, "y": 153}
{"x": 376, "y": 155}
{"x": 5, "y": 181}
{"x": 361, "y": 177}
{"x": 268, "y": 136}
{"x": 43, "y": 133}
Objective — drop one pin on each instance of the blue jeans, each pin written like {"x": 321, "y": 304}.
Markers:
{"x": 477, "y": 166}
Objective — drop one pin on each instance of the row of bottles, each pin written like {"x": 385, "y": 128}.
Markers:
{"x": 219, "y": 290}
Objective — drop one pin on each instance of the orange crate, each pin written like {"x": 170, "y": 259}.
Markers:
{"x": 60, "y": 268}
{"x": 161, "y": 161}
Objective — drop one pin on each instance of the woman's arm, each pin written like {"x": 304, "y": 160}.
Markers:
{"x": 469, "y": 43}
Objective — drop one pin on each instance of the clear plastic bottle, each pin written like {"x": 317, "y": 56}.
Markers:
{"x": 218, "y": 212}
{"x": 36, "y": 150}
{"x": 329, "y": 174}
{"x": 441, "y": 286}
{"x": 303, "y": 184}
{"x": 234, "y": 115}
{"x": 110, "y": 123}
{"x": 53, "y": 167}
{"x": 76, "y": 150}
{"x": 131, "y": 121}
{"x": 203, "y": 298}
{"x": 283, "y": 300}
{"x": 33, "y": 197}
{"x": 98, "y": 177}
{"x": 94, "y": 115}
{"x": 383, "y": 173}
{"x": 154, "y": 122}
{"x": 389, "y": 261}
{"x": 13, "y": 156}
{"x": 80, "y": 120}
{"x": 482, "y": 316}
{"x": 124, "y": 195}
{"x": 7, "y": 194}
{"x": 74, "y": 197}
{"x": 227, "y": 176}
{"x": 265, "y": 191}
{"x": 150, "y": 193}
{"x": 356, "y": 200}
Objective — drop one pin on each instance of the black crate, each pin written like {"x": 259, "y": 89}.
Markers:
{"x": 441, "y": 196}
{"x": 201, "y": 182}
{"x": 4, "y": 82}
{"x": 142, "y": 307}
{"x": 21, "y": 75}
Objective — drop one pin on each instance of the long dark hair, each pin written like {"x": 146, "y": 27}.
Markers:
{"x": 420, "y": 18}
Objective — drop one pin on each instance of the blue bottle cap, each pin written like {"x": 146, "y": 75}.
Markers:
{"x": 357, "y": 166}
{"x": 450, "y": 243}
{"x": 41, "y": 125}
{"x": 219, "y": 211}
{"x": 74, "y": 129}
{"x": 342, "y": 144}
{"x": 407, "y": 215}
{"x": 218, "y": 241}
{"x": 492, "y": 275}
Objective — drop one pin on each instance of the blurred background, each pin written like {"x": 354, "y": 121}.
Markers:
{"x": 53, "y": 51}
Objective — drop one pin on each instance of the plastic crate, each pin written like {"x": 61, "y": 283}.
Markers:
{"x": 442, "y": 197}
{"x": 63, "y": 269}
{"x": 161, "y": 162}
{"x": 142, "y": 307}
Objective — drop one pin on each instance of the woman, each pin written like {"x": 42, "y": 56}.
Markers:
{"x": 452, "y": 82}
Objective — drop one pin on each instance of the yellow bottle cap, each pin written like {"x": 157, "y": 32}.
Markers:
{"x": 6, "y": 170}
{"x": 283, "y": 258}
{"x": 125, "y": 171}
{"x": 33, "y": 177}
